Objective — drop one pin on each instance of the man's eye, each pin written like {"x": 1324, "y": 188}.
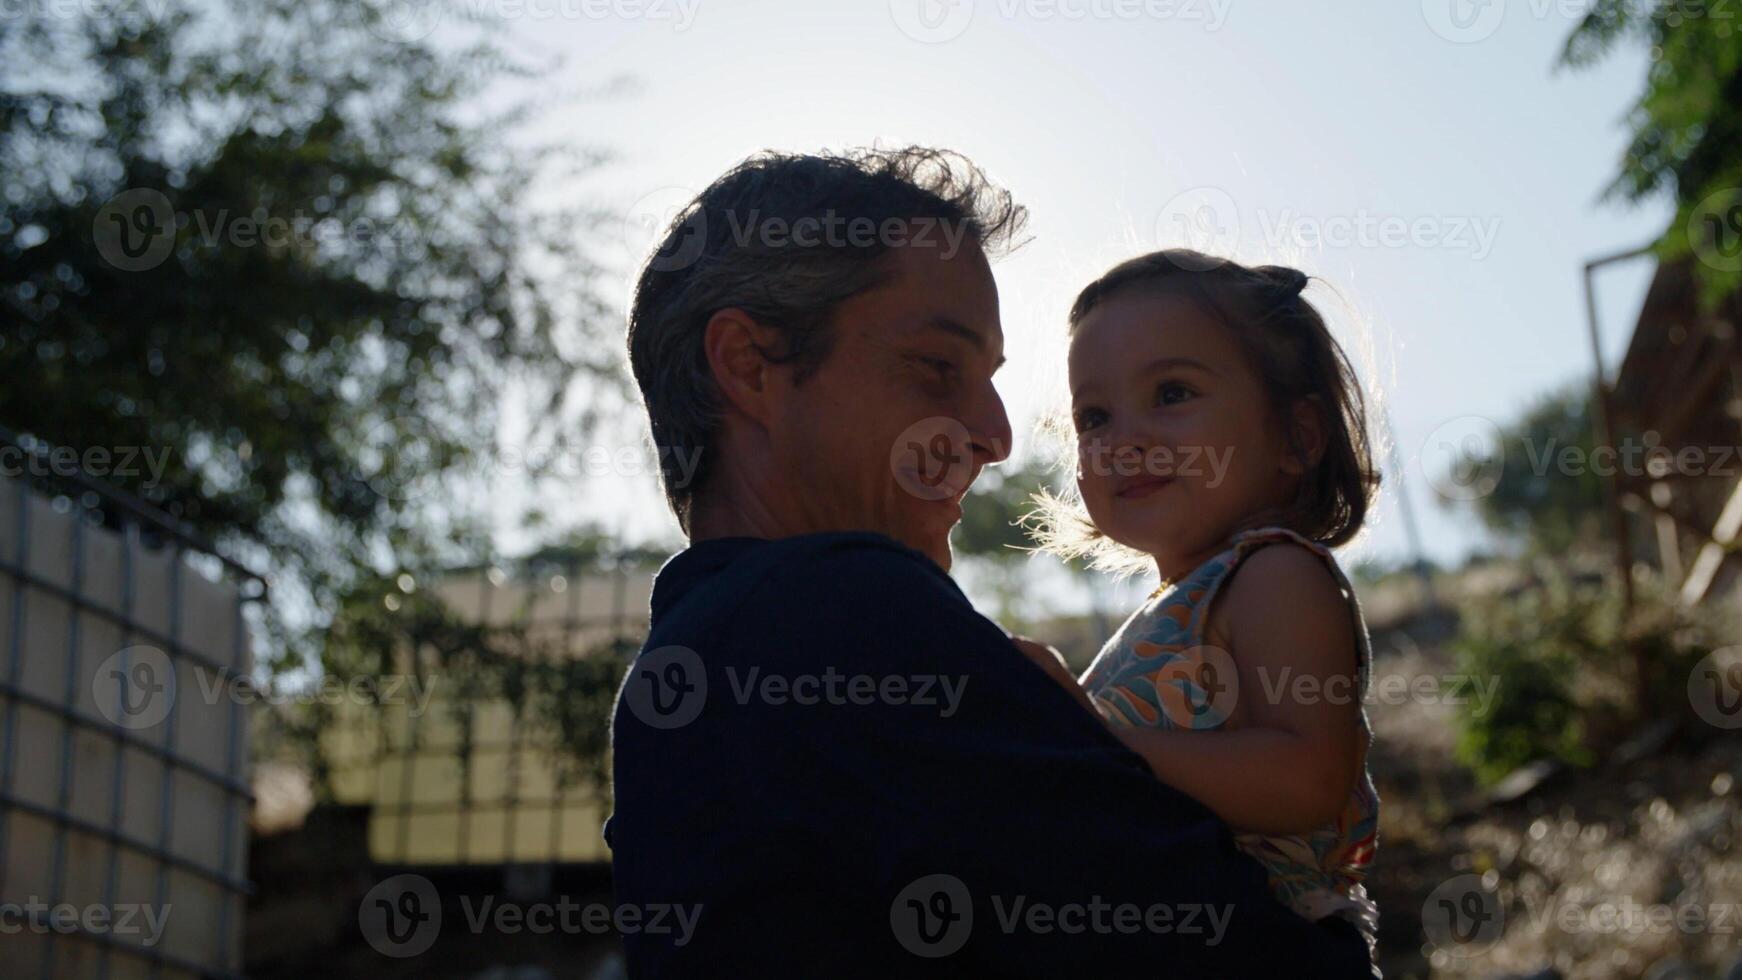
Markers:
{"x": 944, "y": 368}
{"x": 1172, "y": 393}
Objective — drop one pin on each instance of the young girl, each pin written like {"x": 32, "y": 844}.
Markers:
{"x": 1221, "y": 440}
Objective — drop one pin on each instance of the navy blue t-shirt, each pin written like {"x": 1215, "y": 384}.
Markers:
{"x": 827, "y": 764}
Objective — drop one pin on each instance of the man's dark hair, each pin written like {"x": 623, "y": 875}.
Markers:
{"x": 787, "y": 238}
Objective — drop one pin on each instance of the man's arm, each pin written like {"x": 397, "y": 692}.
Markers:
{"x": 971, "y": 763}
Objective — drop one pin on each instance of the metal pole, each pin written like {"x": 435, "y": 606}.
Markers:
{"x": 1604, "y": 426}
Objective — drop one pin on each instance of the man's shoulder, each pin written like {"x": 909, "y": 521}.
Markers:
{"x": 831, "y": 575}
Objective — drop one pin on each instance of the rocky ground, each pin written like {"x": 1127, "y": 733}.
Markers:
{"x": 1628, "y": 869}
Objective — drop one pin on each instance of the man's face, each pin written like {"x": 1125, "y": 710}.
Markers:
{"x": 890, "y": 431}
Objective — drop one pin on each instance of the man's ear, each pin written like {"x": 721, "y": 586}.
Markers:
{"x": 735, "y": 345}
{"x": 1307, "y": 427}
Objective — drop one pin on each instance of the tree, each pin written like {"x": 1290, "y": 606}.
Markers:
{"x": 1686, "y": 125}
{"x": 272, "y": 239}
{"x": 1536, "y": 495}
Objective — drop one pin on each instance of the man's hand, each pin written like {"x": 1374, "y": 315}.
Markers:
{"x": 1051, "y": 661}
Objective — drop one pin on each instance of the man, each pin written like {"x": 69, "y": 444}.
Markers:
{"x": 823, "y": 755}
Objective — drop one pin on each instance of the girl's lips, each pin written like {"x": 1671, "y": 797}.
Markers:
{"x": 1142, "y": 487}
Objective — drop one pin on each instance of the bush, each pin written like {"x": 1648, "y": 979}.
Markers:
{"x": 1563, "y": 656}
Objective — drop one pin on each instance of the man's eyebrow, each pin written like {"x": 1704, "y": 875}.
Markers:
{"x": 1160, "y": 364}
{"x": 972, "y": 336}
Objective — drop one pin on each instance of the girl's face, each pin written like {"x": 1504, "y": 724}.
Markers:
{"x": 1176, "y": 447}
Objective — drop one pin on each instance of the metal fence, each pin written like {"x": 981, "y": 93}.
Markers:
{"x": 124, "y": 792}
{"x": 471, "y": 781}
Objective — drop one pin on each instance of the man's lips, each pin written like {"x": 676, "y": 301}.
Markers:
{"x": 1142, "y": 486}
{"x": 946, "y": 490}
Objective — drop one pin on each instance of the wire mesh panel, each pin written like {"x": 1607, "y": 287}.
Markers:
{"x": 459, "y": 781}
{"x": 123, "y": 763}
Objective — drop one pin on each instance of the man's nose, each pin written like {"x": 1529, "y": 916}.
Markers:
{"x": 988, "y": 427}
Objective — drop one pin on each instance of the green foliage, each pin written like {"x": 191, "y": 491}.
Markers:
{"x": 1686, "y": 125}
{"x": 991, "y": 525}
{"x": 353, "y": 281}
{"x": 562, "y": 696}
{"x": 1564, "y": 658}
{"x": 1536, "y": 497}
{"x": 342, "y": 288}
{"x": 1532, "y": 646}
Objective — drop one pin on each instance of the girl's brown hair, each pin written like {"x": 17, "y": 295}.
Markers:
{"x": 1288, "y": 345}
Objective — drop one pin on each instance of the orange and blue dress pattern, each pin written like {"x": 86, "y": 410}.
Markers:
{"x": 1157, "y": 671}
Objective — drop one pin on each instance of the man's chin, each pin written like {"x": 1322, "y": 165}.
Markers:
{"x": 932, "y": 544}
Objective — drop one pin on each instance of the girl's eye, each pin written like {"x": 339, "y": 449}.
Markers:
{"x": 1172, "y": 393}
{"x": 1089, "y": 418}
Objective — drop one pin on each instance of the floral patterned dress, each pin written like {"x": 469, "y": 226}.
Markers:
{"x": 1157, "y": 671}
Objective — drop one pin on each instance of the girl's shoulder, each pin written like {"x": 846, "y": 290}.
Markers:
{"x": 1275, "y": 574}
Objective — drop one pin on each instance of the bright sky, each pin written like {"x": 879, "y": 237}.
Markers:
{"x": 1427, "y": 160}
